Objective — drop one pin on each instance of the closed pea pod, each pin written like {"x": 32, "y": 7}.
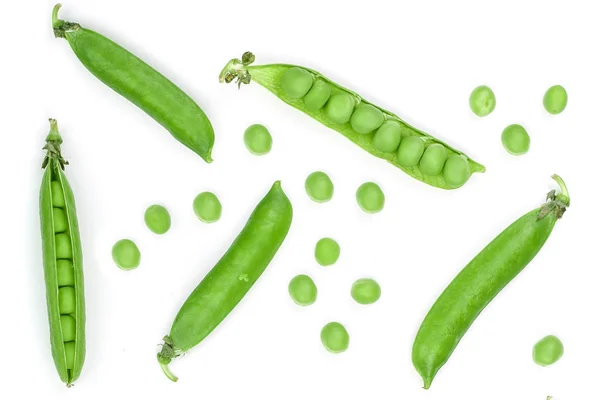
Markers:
{"x": 141, "y": 84}
{"x": 480, "y": 281}
{"x": 379, "y": 132}
{"x": 231, "y": 278}
{"x": 63, "y": 267}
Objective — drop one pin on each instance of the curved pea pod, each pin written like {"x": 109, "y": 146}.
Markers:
{"x": 231, "y": 278}
{"x": 141, "y": 84}
{"x": 63, "y": 264}
{"x": 480, "y": 281}
{"x": 379, "y": 132}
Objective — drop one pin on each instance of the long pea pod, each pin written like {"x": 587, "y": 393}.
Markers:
{"x": 63, "y": 263}
{"x": 480, "y": 281}
{"x": 379, "y": 132}
{"x": 231, "y": 278}
{"x": 141, "y": 84}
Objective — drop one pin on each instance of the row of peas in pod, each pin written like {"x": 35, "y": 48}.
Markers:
{"x": 384, "y": 132}
{"x": 65, "y": 273}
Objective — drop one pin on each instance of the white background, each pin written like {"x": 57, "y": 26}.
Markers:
{"x": 419, "y": 59}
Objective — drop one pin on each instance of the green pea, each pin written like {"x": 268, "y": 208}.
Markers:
{"x": 319, "y": 187}
{"x": 335, "y": 338}
{"x": 64, "y": 249}
{"x": 258, "y": 140}
{"x": 303, "y": 290}
{"x": 318, "y": 95}
{"x": 370, "y": 197}
{"x": 410, "y": 151}
{"x": 365, "y": 291}
{"x": 366, "y": 118}
{"x": 433, "y": 159}
{"x": 327, "y": 252}
{"x": 388, "y": 136}
{"x": 515, "y": 140}
{"x": 66, "y": 300}
{"x": 482, "y": 101}
{"x": 126, "y": 254}
{"x": 65, "y": 273}
{"x": 456, "y": 171}
{"x": 67, "y": 324}
{"x": 58, "y": 197}
{"x": 555, "y": 99}
{"x": 70, "y": 354}
{"x": 207, "y": 207}
{"x": 157, "y": 219}
{"x": 339, "y": 108}
{"x": 296, "y": 82}
{"x": 548, "y": 350}
{"x": 60, "y": 220}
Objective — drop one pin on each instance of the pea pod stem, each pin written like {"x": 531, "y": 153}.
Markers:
{"x": 168, "y": 373}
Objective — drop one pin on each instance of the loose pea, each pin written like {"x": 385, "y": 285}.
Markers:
{"x": 58, "y": 197}
{"x": 70, "y": 354}
{"x": 365, "y": 291}
{"x": 410, "y": 151}
{"x": 433, "y": 159}
{"x": 370, "y": 197}
{"x": 67, "y": 324}
{"x": 157, "y": 219}
{"x": 319, "y": 187}
{"x": 456, "y": 171}
{"x": 388, "y": 136}
{"x": 318, "y": 95}
{"x": 339, "y": 108}
{"x": 327, "y": 252}
{"x": 207, "y": 207}
{"x": 65, "y": 273}
{"x": 64, "y": 249}
{"x": 515, "y": 140}
{"x": 548, "y": 351}
{"x": 482, "y": 101}
{"x": 303, "y": 290}
{"x": 126, "y": 254}
{"x": 60, "y": 220}
{"x": 296, "y": 82}
{"x": 335, "y": 338}
{"x": 555, "y": 99}
{"x": 258, "y": 140}
{"x": 66, "y": 300}
{"x": 366, "y": 118}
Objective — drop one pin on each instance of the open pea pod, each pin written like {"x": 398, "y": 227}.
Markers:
{"x": 379, "y": 132}
{"x": 63, "y": 263}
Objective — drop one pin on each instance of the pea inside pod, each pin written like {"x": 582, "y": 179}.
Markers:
{"x": 63, "y": 266}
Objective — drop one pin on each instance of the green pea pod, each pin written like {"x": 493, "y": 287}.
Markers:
{"x": 231, "y": 278}
{"x": 63, "y": 263}
{"x": 376, "y": 130}
{"x": 480, "y": 281}
{"x": 141, "y": 84}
